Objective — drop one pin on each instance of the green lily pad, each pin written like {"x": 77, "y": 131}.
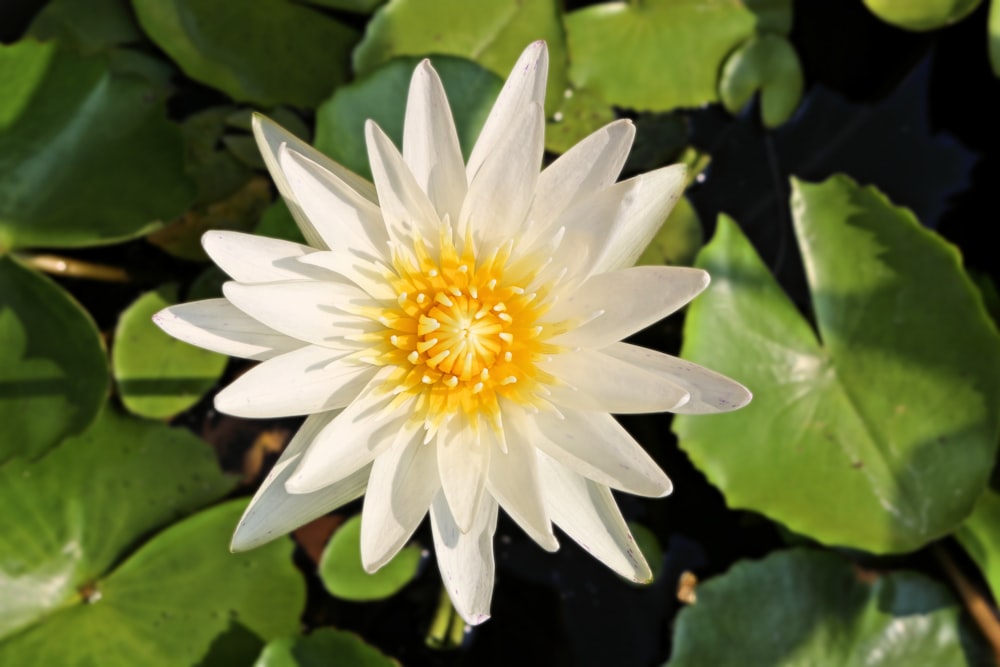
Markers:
{"x": 343, "y": 575}
{"x": 323, "y": 648}
{"x": 340, "y": 120}
{"x": 268, "y": 51}
{"x": 663, "y": 54}
{"x": 800, "y": 607}
{"x": 278, "y": 223}
{"x": 172, "y": 603}
{"x": 491, "y": 32}
{"x": 71, "y": 517}
{"x": 980, "y": 537}
{"x": 879, "y": 431}
{"x": 216, "y": 171}
{"x": 159, "y": 376}
{"x": 88, "y": 154}
{"x": 920, "y": 15}
{"x": 355, "y": 6}
{"x": 579, "y": 114}
{"x": 87, "y": 27}
{"x": 53, "y": 368}
{"x": 767, "y": 63}
{"x": 993, "y": 27}
{"x": 679, "y": 239}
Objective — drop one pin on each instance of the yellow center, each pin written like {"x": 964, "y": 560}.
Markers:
{"x": 463, "y": 333}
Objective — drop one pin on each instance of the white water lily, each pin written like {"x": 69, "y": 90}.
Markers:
{"x": 453, "y": 334}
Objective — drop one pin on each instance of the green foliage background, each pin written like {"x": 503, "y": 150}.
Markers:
{"x": 843, "y": 157}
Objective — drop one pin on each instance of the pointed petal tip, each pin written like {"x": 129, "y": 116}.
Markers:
{"x": 477, "y": 619}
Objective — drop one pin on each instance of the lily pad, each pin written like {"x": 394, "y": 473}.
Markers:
{"x": 663, "y": 54}
{"x": 71, "y": 517}
{"x": 53, "y": 367}
{"x": 88, "y": 27}
{"x": 340, "y": 120}
{"x": 343, "y": 575}
{"x": 679, "y": 239}
{"x": 322, "y": 648}
{"x": 993, "y": 26}
{"x": 268, "y": 52}
{"x": 921, "y": 15}
{"x": 356, "y": 6}
{"x": 876, "y": 432}
{"x": 579, "y": 114}
{"x": 172, "y": 602}
{"x": 86, "y": 150}
{"x": 491, "y": 32}
{"x": 159, "y": 376}
{"x": 980, "y": 537}
{"x": 800, "y": 607}
{"x": 767, "y": 63}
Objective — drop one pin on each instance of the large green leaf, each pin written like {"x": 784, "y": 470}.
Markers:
{"x": 344, "y": 576}
{"x": 921, "y": 14}
{"x": 53, "y": 369}
{"x": 980, "y": 536}
{"x": 88, "y": 27}
{"x": 380, "y": 96}
{"x": 267, "y": 51}
{"x": 323, "y": 648}
{"x": 663, "y": 54}
{"x": 87, "y": 155}
{"x": 802, "y": 608}
{"x": 879, "y": 431}
{"x": 159, "y": 376}
{"x": 179, "y": 600}
{"x": 71, "y": 517}
{"x": 491, "y": 32}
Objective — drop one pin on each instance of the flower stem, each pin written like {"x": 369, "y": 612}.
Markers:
{"x": 447, "y": 630}
{"x": 976, "y": 603}
{"x": 76, "y": 268}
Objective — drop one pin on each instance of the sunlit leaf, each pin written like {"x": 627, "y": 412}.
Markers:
{"x": 343, "y": 575}
{"x": 877, "y": 432}
{"x": 679, "y": 239}
{"x": 87, "y": 154}
{"x": 267, "y": 51}
{"x": 322, "y": 648}
{"x": 71, "y": 517}
{"x": 491, "y": 32}
{"x": 663, "y": 54}
{"x": 180, "y": 598}
{"x": 157, "y": 375}
{"x": 53, "y": 368}
{"x": 994, "y": 36}
{"x": 798, "y": 608}
{"x": 768, "y": 64}
{"x": 579, "y": 114}
{"x": 921, "y": 14}
{"x": 341, "y": 120}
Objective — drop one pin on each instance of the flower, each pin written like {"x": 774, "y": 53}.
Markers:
{"x": 453, "y": 334}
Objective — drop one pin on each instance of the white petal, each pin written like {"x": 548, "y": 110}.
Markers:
{"x": 710, "y": 391}
{"x": 500, "y": 194}
{"x": 372, "y": 277}
{"x": 258, "y": 259}
{"x": 595, "y": 445}
{"x": 351, "y": 441}
{"x": 627, "y": 301}
{"x": 270, "y": 137}
{"x": 274, "y": 512}
{"x": 513, "y": 480}
{"x": 588, "y": 167}
{"x": 606, "y": 384}
{"x": 309, "y": 380}
{"x": 343, "y": 218}
{"x": 309, "y": 310}
{"x": 402, "y": 485}
{"x": 609, "y": 229}
{"x": 466, "y": 559}
{"x": 655, "y": 194}
{"x": 406, "y": 209}
{"x": 463, "y": 460}
{"x": 217, "y": 325}
{"x": 526, "y": 84}
{"x": 430, "y": 143}
{"x": 587, "y": 512}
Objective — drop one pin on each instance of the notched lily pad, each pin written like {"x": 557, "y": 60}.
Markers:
{"x": 53, "y": 367}
{"x": 767, "y": 63}
{"x": 343, "y": 575}
{"x": 159, "y": 376}
{"x": 876, "y": 432}
{"x": 805, "y": 607}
